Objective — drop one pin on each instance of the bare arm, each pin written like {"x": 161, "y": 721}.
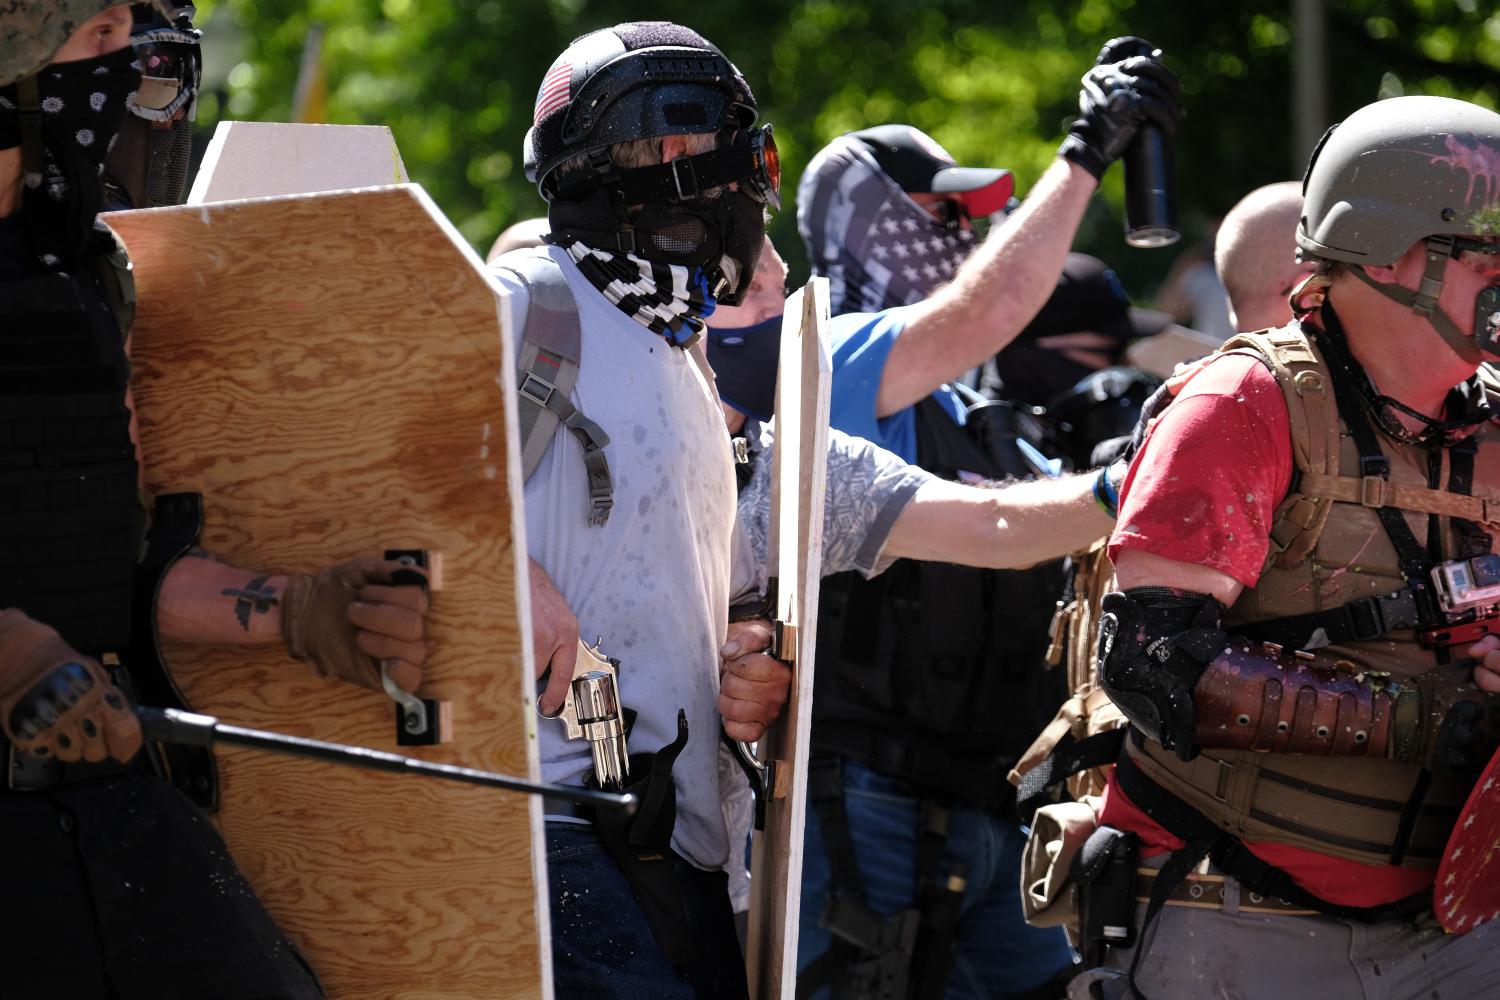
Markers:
{"x": 1006, "y": 528}
{"x": 203, "y": 600}
{"x": 346, "y": 621}
{"x": 994, "y": 295}
{"x": 1135, "y": 568}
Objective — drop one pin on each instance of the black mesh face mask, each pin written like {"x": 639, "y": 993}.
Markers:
{"x": 148, "y": 166}
{"x": 722, "y": 233}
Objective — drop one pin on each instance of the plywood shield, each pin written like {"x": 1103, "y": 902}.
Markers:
{"x": 1467, "y": 892}
{"x": 331, "y": 373}
{"x": 800, "y": 465}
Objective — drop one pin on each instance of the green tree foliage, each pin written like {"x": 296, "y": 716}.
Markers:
{"x": 995, "y": 81}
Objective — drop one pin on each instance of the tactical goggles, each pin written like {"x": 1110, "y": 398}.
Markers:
{"x": 749, "y": 159}
{"x": 171, "y": 67}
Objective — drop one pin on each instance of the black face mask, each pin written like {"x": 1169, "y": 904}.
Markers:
{"x": 1034, "y": 374}
{"x": 745, "y": 360}
{"x": 722, "y": 234}
{"x": 83, "y": 103}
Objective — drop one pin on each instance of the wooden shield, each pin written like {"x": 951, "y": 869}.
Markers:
{"x": 799, "y": 469}
{"x": 1467, "y": 892}
{"x": 330, "y": 371}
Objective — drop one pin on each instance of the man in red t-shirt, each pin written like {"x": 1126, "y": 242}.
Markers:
{"x": 1305, "y": 714}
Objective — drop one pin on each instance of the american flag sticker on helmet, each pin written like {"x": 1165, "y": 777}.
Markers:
{"x": 554, "y": 91}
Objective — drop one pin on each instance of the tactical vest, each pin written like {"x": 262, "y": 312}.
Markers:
{"x": 1329, "y": 549}
{"x": 71, "y": 518}
{"x": 933, "y": 673}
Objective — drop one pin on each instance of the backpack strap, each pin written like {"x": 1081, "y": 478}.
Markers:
{"x": 1374, "y": 491}
{"x": 551, "y": 346}
{"x": 1307, "y": 387}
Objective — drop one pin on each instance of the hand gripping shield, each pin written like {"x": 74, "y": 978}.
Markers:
{"x": 800, "y": 465}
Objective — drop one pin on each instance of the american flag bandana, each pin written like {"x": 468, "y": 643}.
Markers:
{"x": 877, "y": 247}
{"x": 672, "y": 300}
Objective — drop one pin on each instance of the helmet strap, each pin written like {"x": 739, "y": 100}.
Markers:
{"x": 1423, "y": 300}
{"x": 1335, "y": 345}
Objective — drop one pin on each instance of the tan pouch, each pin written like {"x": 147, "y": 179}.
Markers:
{"x": 1048, "y": 898}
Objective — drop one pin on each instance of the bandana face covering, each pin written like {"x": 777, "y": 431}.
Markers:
{"x": 82, "y": 104}
{"x": 877, "y": 247}
{"x": 668, "y": 299}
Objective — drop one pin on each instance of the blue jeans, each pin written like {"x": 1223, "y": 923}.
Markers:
{"x": 996, "y": 952}
{"x": 601, "y": 943}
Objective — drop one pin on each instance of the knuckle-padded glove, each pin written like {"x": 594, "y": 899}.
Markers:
{"x": 1115, "y": 100}
{"x": 317, "y": 627}
{"x": 55, "y": 702}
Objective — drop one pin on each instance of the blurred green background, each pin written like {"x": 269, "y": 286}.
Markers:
{"x": 995, "y": 81}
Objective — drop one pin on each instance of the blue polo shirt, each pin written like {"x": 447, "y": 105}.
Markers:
{"x": 861, "y": 343}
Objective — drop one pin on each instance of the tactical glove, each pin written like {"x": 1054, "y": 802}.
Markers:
{"x": 1443, "y": 722}
{"x": 1116, "y": 99}
{"x": 55, "y": 702}
{"x": 348, "y": 619}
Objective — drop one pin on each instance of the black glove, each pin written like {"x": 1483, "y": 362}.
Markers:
{"x": 1116, "y": 99}
{"x": 1443, "y": 722}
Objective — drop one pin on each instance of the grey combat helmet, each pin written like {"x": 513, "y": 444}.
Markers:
{"x": 31, "y": 31}
{"x": 1396, "y": 173}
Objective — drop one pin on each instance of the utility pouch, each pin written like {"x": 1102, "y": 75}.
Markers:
{"x": 642, "y": 846}
{"x": 1049, "y": 897}
{"x": 1105, "y": 870}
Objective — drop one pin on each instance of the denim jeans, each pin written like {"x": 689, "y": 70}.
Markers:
{"x": 601, "y": 943}
{"x": 996, "y": 952}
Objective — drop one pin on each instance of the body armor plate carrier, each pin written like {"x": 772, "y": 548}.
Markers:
{"x": 71, "y": 519}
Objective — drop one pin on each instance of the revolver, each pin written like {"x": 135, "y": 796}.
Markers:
{"x": 591, "y": 711}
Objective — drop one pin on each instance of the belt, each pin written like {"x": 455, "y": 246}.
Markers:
{"x": 557, "y": 808}
{"x": 1206, "y": 892}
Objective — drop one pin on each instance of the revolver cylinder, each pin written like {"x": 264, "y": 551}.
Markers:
{"x": 597, "y": 704}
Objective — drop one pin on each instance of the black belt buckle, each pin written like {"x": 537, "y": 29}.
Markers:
{"x": 1370, "y": 618}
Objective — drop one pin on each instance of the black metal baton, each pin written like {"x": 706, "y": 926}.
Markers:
{"x": 169, "y": 725}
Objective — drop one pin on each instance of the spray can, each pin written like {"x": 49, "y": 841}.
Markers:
{"x": 1150, "y": 173}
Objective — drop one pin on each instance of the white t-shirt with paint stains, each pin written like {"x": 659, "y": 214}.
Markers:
{"x": 653, "y": 582}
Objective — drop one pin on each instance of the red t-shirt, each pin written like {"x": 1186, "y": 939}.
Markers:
{"x": 1220, "y": 461}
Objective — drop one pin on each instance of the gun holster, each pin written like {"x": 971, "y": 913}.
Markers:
{"x": 641, "y": 844}
{"x": 1104, "y": 870}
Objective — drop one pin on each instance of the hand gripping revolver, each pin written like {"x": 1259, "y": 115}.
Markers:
{"x": 591, "y": 711}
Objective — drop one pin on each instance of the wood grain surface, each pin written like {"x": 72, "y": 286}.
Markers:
{"x": 330, "y": 372}
{"x": 799, "y": 472}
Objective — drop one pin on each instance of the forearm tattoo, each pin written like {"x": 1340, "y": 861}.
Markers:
{"x": 254, "y": 598}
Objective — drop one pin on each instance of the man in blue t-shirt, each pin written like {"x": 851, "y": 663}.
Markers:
{"x": 923, "y": 674}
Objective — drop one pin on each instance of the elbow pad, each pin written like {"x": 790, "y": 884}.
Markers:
{"x": 1154, "y": 645}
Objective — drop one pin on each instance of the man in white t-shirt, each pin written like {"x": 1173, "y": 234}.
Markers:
{"x": 657, "y": 180}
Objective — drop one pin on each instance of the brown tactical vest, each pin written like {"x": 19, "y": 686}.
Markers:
{"x": 1328, "y": 547}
